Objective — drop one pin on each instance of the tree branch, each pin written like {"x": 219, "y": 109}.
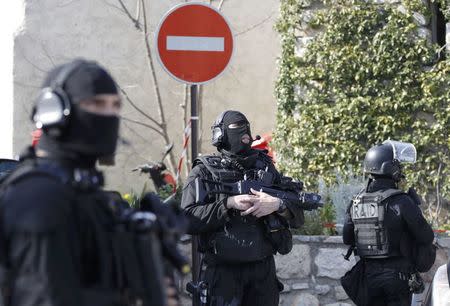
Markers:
{"x": 254, "y": 26}
{"x": 220, "y": 5}
{"x": 138, "y": 108}
{"x": 162, "y": 117}
{"x": 143, "y": 124}
{"x": 127, "y": 12}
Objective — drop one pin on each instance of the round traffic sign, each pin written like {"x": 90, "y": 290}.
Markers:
{"x": 194, "y": 43}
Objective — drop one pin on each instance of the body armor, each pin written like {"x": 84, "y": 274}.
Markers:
{"x": 368, "y": 214}
{"x": 243, "y": 238}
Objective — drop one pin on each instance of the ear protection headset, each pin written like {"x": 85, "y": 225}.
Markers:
{"x": 218, "y": 133}
{"x": 52, "y": 107}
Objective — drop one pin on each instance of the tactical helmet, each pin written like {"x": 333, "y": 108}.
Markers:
{"x": 385, "y": 159}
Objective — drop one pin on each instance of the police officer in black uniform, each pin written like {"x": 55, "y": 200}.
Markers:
{"x": 383, "y": 224}
{"x": 238, "y": 254}
{"x": 63, "y": 240}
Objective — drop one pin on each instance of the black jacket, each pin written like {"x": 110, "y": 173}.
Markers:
{"x": 60, "y": 243}
{"x": 404, "y": 221}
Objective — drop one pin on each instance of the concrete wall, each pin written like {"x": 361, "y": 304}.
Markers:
{"x": 55, "y": 31}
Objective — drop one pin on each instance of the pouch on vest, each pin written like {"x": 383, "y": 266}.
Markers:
{"x": 279, "y": 234}
{"x": 240, "y": 241}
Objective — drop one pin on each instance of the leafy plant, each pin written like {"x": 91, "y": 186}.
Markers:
{"x": 366, "y": 77}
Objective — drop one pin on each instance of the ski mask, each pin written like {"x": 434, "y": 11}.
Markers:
{"x": 236, "y": 126}
{"x": 87, "y": 133}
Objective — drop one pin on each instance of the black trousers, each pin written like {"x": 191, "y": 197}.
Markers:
{"x": 385, "y": 287}
{"x": 246, "y": 284}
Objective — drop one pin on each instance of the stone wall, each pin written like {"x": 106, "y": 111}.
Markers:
{"x": 306, "y": 34}
{"x": 311, "y": 272}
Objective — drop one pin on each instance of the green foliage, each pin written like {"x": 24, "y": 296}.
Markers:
{"x": 445, "y": 7}
{"x": 367, "y": 77}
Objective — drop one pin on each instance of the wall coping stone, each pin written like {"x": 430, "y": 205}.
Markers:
{"x": 442, "y": 241}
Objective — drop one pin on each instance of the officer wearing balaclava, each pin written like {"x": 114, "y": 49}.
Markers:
{"x": 238, "y": 266}
{"x": 63, "y": 240}
{"x": 386, "y": 228}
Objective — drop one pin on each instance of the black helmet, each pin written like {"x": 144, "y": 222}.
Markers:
{"x": 385, "y": 159}
{"x": 380, "y": 160}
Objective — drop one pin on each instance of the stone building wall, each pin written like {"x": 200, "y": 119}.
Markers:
{"x": 306, "y": 35}
{"x": 311, "y": 272}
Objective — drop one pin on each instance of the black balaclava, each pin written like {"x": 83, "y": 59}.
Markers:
{"x": 87, "y": 135}
{"x": 233, "y": 136}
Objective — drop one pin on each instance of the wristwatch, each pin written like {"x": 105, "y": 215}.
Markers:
{"x": 282, "y": 207}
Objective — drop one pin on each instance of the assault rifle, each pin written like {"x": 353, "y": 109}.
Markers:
{"x": 287, "y": 189}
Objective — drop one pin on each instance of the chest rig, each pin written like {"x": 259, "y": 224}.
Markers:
{"x": 368, "y": 213}
{"x": 243, "y": 238}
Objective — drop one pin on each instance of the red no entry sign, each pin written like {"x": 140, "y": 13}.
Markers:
{"x": 194, "y": 43}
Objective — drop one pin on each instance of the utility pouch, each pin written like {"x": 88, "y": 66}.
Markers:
{"x": 199, "y": 291}
{"x": 241, "y": 241}
{"x": 279, "y": 234}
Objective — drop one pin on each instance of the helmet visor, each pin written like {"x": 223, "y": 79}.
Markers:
{"x": 404, "y": 152}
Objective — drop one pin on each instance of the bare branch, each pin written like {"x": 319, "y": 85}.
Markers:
{"x": 220, "y": 5}
{"x": 438, "y": 195}
{"x": 255, "y": 25}
{"x": 127, "y": 12}
{"x": 132, "y": 130}
{"x": 162, "y": 117}
{"x": 138, "y": 10}
{"x": 47, "y": 54}
{"x": 138, "y": 108}
{"x": 143, "y": 124}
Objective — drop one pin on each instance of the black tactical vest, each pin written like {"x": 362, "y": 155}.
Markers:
{"x": 368, "y": 214}
{"x": 243, "y": 238}
{"x": 117, "y": 266}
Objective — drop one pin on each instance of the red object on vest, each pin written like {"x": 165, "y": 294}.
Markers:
{"x": 36, "y": 135}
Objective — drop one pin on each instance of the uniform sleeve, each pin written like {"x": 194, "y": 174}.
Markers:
{"x": 204, "y": 217}
{"x": 42, "y": 262}
{"x": 414, "y": 219}
{"x": 348, "y": 232}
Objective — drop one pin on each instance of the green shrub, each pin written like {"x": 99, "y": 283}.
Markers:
{"x": 366, "y": 77}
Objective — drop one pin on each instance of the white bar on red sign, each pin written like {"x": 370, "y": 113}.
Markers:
{"x": 195, "y": 43}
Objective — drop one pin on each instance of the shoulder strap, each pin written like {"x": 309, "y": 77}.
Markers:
{"x": 211, "y": 162}
{"x": 386, "y": 194}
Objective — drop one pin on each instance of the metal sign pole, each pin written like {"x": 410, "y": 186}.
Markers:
{"x": 194, "y": 152}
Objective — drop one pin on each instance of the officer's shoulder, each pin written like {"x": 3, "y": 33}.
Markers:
{"x": 208, "y": 160}
{"x": 37, "y": 202}
{"x": 402, "y": 198}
